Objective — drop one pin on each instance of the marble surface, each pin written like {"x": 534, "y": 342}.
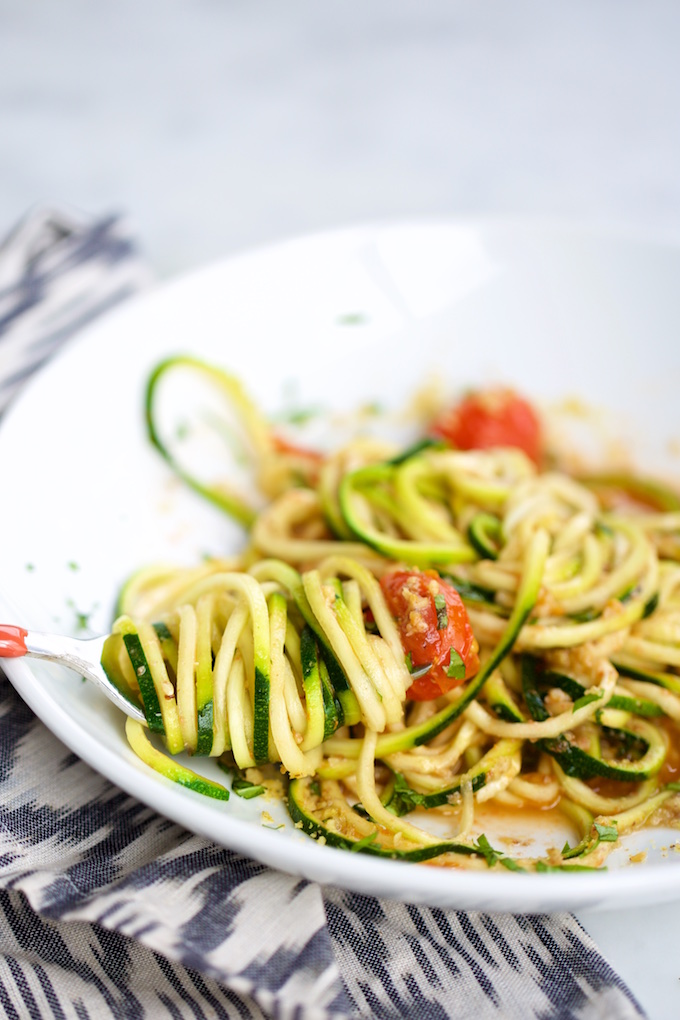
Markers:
{"x": 219, "y": 124}
{"x": 222, "y": 124}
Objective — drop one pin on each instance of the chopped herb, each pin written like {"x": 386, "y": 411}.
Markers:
{"x": 585, "y": 617}
{"x": 675, "y": 787}
{"x": 244, "y": 788}
{"x": 598, "y": 834}
{"x": 442, "y": 615}
{"x": 360, "y": 810}
{"x": 417, "y": 671}
{"x": 82, "y": 619}
{"x": 366, "y": 841}
{"x": 241, "y": 786}
{"x": 587, "y": 699}
{"x": 456, "y": 666}
{"x": 352, "y": 319}
{"x": 413, "y": 450}
{"x": 490, "y": 855}
{"x": 297, "y": 415}
{"x": 30, "y": 566}
{"x": 650, "y": 606}
{"x": 73, "y": 566}
{"x": 578, "y": 849}
{"x": 606, "y": 833}
{"x": 403, "y": 798}
{"x": 471, "y": 592}
{"x": 510, "y": 864}
{"x": 315, "y": 787}
{"x": 275, "y": 827}
{"x": 541, "y": 866}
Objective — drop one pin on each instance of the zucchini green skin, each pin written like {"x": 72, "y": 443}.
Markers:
{"x": 113, "y": 672}
{"x": 168, "y": 767}
{"x": 501, "y": 701}
{"x": 317, "y": 685}
{"x": 428, "y": 443}
{"x": 204, "y": 695}
{"x": 420, "y": 554}
{"x": 261, "y": 717}
{"x": 205, "y": 728}
{"x": 152, "y": 708}
{"x": 230, "y": 504}
{"x": 476, "y": 597}
{"x": 576, "y": 762}
{"x": 345, "y": 699}
{"x": 485, "y": 535}
{"x": 669, "y": 681}
{"x": 648, "y": 490}
{"x": 414, "y": 736}
{"x": 348, "y": 706}
{"x": 301, "y": 804}
{"x": 403, "y": 798}
{"x": 575, "y": 690}
{"x": 290, "y": 579}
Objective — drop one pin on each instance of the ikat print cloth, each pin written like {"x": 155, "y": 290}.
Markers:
{"x": 109, "y": 910}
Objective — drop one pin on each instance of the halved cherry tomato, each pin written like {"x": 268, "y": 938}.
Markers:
{"x": 492, "y": 418}
{"x": 302, "y": 462}
{"x": 434, "y": 628}
{"x": 282, "y": 445}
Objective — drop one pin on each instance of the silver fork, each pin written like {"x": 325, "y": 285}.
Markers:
{"x": 82, "y": 655}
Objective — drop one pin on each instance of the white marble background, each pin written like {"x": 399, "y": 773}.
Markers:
{"x": 224, "y": 123}
{"x": 220, "y": 124}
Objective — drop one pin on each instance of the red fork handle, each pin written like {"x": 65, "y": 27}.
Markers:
{"x": 12, "y": 641}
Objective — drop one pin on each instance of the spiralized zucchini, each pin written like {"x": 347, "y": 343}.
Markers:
{"x": 287, "y": 664}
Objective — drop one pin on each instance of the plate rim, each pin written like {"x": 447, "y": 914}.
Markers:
{"x": 552, "y": 890}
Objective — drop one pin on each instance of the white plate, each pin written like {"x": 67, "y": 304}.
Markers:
{"x": 343, "y": 319}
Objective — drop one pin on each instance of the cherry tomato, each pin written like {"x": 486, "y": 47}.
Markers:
{"x": 435, "y": 630}
{"x": 282, "y": 445}
{"x": 301, "y": 461}
{"x": 492, "y": 418}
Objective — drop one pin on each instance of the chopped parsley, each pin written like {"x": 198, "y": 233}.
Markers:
{"x": 587, "y": 699}
{"x": 442, "y": 615}
{"x": 417, "y": 671}
{"x": 352, "y": 319}
{"x": 366, "y": 841}
{"x": 244, "y": 788}
{"x": 456, "y": 666}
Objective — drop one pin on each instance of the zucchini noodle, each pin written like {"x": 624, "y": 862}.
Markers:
{"x": 291, "y": 664}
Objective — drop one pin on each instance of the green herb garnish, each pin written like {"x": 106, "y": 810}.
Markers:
{"x": 442, "y": 615}
{"x": 366, "y": 841}
{"x": 417, "y": 671}
{"x": 587, "y": 699}
{"x": 244, "y": 788}
{"x": 456, "y": 666}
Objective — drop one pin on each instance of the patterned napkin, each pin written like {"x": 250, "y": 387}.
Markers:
{"x": 107, "y": 909}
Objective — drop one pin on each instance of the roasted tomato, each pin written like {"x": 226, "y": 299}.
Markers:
{"x": 435, "y": 631}
{"x": 492, "y": 418}
{"x": 282, "y": 445}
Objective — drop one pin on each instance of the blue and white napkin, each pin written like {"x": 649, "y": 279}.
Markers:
{"x": 109, "y": 910}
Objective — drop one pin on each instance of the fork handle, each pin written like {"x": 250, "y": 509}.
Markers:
{"x": 12, "y": 641}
